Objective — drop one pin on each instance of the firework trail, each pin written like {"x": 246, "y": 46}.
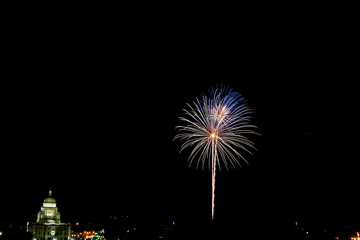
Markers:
{"x": 215, "y": 127}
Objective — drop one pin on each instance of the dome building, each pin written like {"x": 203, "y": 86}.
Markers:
{"x": 48, "y": 225}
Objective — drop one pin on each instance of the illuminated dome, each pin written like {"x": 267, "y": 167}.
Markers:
{"x": 50, "y": 199}
{"x": 49, "y": 212}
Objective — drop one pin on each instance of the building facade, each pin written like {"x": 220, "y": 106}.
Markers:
{"x": 48, "y": 225}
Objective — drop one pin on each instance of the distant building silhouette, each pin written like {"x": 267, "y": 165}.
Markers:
{"x": 48, "y": 225}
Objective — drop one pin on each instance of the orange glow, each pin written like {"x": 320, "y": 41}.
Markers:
{"x": 357, "y": 237}
{"x": 87, "y": 234}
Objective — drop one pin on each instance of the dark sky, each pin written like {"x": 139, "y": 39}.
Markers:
{"x": 91, "y": 110}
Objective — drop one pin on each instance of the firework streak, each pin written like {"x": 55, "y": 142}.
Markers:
{"x": 215, "y": 128}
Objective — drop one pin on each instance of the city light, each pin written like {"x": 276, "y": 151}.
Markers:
{"x": 90, "y": 235}
{"x": 357, "y": 237}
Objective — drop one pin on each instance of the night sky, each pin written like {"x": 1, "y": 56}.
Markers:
{"x": 91, "y": 112}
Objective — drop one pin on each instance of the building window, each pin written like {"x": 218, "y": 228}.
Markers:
{"x": 49, "y": 213}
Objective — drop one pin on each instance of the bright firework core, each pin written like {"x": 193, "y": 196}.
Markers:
{"x": 224, "y": 113}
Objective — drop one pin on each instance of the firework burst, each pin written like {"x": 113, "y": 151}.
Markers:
{"x": 215, "y": 127}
